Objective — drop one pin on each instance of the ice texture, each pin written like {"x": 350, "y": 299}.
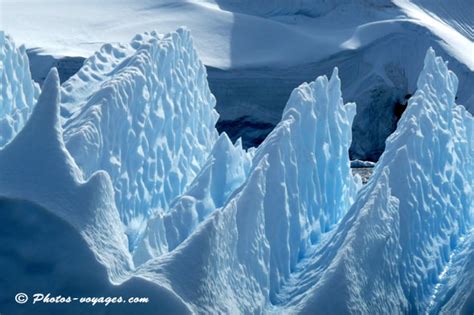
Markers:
{"x": 237, "y": 260}
{"x": 284, "y": 228}
{"x": 391, "y": 248}
{"x": 18, "y": 92}
{"x": 142, "y": 112}
{"x": 225, "y": 171}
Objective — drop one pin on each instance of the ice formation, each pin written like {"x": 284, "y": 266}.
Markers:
{"x": 455, "y": 291}
{"x": 388, "y": 252}
{"x": 142, "y": 112}
{"x": 288, "y": 201}
{"x": 284, "y": 228}
{"x": 37, "y": 167}
{"x": 18, "y": 92}
{"x": 225, "y": 171}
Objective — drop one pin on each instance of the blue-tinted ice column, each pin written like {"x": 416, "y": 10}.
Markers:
{"x": 18, "y": 92}
{"x": 299, "y": 186}
{"x": 144, "y": 113}
{"x": 391, "y": 248}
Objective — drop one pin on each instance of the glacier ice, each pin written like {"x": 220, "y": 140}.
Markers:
{"x": 18, "y": 92}
{"x": 287, "y": 203}
{"x": 455, "y": 291}
{"x": 77, "y": 219}
{"x": 388, "y": 252}
{"x": 37, "y": 167}
{"x": 128, "y": 147}
{"x": 142, "y": 112}
{"x": 225, "y": 171}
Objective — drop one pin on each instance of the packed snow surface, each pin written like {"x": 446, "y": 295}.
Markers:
{"x": 123, "y": 161}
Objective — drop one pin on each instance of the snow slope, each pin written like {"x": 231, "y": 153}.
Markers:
{"x": 43, "y": 253}
{"x": 18, "y": 93}
{"x": 313, "y": 30}
{"x": 37, "y": 167}
{"x": 142, "y": 112}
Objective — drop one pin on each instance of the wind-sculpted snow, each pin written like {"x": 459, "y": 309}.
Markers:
{"x": 389, "y": 251}
{"x": 142, "y": 112}
{"x": 237, "y": 260}
{"x": 225, "y": 171}
{"x": 18, "y": 92}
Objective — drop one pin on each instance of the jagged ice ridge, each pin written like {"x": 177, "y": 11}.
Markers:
{"x": 128, "y": 147}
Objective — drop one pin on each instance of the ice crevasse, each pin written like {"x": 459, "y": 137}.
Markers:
{"x": 128, "y": 148}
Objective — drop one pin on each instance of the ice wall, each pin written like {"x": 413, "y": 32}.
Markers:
{"x": 18, "y": 92}
{"x": 142, "y": 112}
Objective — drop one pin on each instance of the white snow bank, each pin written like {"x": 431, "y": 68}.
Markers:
{"x": 18, "y": 92}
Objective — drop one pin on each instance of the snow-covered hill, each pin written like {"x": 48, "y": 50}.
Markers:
{"x": 273, "y": 46}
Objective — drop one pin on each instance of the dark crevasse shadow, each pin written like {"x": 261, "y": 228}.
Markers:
{"x": 40, "y": 64}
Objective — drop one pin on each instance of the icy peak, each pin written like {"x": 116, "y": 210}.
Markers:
{"x": 298, "y": 188}
{"x": 144, "y": 113}
{"x": 18, "y": 93}
{"x": 412, "y": 213}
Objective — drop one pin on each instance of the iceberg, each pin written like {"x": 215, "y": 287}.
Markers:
{"x": 239, "y": 257}
{"x": 389, "y": 251}
{"x": 18, "y": 92}
{"x": 122, "y": 178}
{"x": 143, "y": 113}
{"x": 37, "y": 167}
{"x": 59, "y": 228}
